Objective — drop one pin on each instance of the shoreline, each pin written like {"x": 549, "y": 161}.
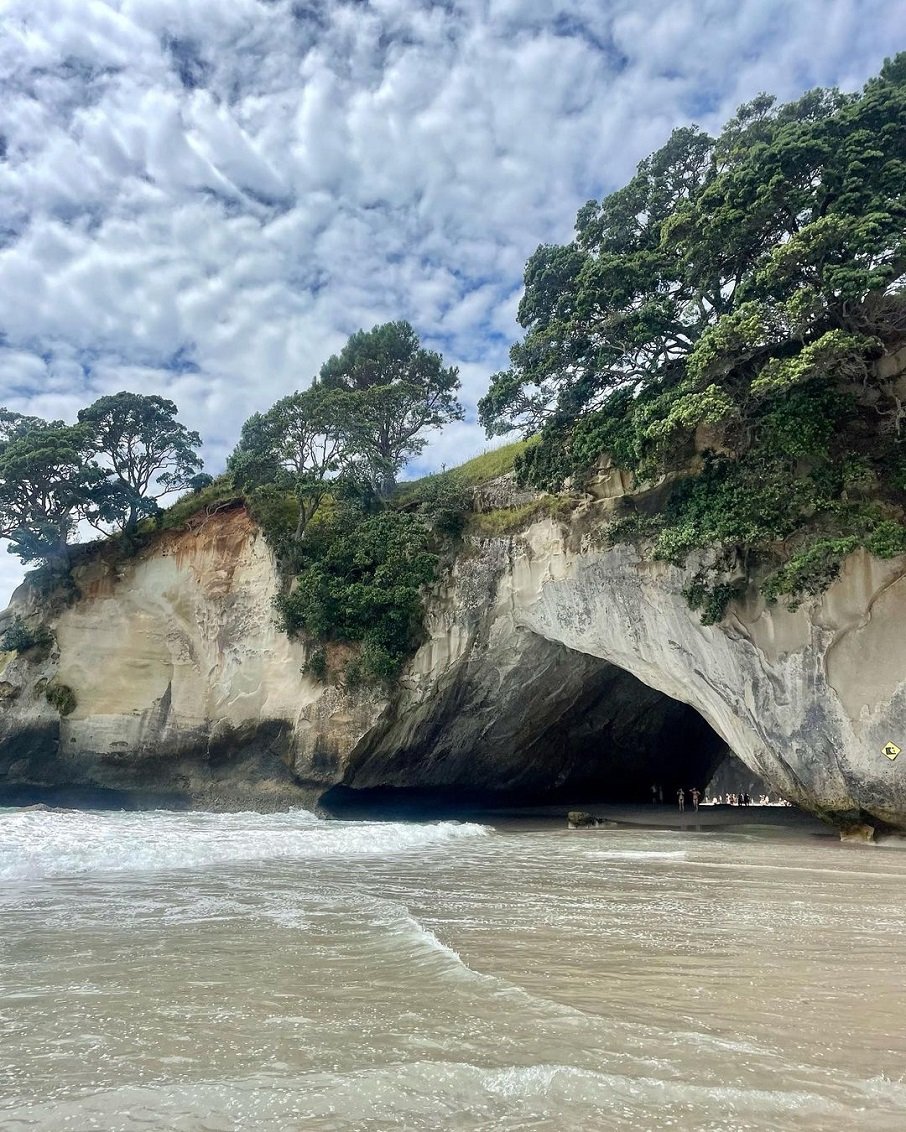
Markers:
{"x": 708, "y": 819}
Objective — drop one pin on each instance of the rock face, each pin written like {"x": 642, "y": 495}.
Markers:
{"x": 185, "y": 688}
{"x": 551, "y": 666}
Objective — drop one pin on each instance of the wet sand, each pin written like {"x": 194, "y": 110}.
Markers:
{"x": 706, "y": 819}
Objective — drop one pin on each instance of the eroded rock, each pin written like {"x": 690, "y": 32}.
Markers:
{"x": 550, "y": 663}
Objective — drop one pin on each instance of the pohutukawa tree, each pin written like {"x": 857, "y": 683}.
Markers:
{"x": 739, "y": 288}
{"x": 148, "y": 452}
{"x": 13, "y": 425}
{"x": 401, "y": 392}
{"x": 47, "y": 485}
{"x": 298, "y": 447}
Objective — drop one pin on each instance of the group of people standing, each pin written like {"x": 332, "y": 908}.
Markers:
{"x": 738, "y": 800}
{"x": 695, "y": 797}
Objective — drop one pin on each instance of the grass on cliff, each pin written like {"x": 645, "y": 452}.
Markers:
{"x": 220, "y": 491}
{"x": 480, "y": 469}
{"x": 508, "y": 520}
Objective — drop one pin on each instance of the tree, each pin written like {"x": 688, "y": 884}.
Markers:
{"x": 199, "y": 482}
{"x": 47, "y": 483}
{"x": 401, "y": 391}
{"x": 611, "y": 310}
{"x": 13, "y": 425}
{"x": 297, "y": 447}
{"x": 738, "y": 289}
{"x": 719, "y": 256}
{"x": 148, "y": 452}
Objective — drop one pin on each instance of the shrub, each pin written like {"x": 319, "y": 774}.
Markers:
{"x": 61, "y": 697}
{"x": 19, "y": 638}
{"x": 316, "y": 664}
{"x": 712, "y": 600}
{"x": 360, "y": 579}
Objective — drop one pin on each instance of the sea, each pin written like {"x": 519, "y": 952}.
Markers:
{"x": 233, "y": 972}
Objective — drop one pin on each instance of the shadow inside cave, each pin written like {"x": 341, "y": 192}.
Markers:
{"x": 551, "y": 726}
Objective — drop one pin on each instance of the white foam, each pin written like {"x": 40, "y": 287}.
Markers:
{"x": 34, "y": 845}
{"x": 639, "y": 854}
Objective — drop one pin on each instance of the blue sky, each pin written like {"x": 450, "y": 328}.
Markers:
{"x": 204, "y": 198}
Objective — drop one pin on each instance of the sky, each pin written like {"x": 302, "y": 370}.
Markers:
{"x": 205, "y": 198}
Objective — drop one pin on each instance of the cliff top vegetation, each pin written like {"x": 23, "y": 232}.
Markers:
{"x": 109, "y": 469}
{"x": 734, "y": 299}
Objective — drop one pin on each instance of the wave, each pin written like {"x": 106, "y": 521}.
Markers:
{"x": 639, "y": 854}
{"x": 37, "y": 845}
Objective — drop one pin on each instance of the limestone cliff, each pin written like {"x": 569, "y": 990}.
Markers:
{"x": 552, "y": 664}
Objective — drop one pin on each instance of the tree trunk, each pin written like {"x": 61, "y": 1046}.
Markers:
{"x": 59, "y": 559}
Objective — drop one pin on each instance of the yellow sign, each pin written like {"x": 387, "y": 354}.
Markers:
{"x": 891, "y": 750}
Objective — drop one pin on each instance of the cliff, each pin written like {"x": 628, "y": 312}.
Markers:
{"x": 552, "y": 665}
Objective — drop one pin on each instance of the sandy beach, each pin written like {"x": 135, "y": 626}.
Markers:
{"x": 705, "y": 819}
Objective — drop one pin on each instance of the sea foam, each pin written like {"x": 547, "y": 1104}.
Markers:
{"x": 39, "y": 844}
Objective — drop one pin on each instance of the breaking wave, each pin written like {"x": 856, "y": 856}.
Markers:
{"x": 39, "y": 844}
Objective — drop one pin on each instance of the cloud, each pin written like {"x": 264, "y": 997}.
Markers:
{"x": 205, "y": 199}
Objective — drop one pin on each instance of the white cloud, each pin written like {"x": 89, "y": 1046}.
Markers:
{"x": 241, "y": 185}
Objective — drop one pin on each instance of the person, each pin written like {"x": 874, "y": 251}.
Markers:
{"x": 695, "y": 797}
{"x": 681, "y": 799}
{"x": 654, "y": 793}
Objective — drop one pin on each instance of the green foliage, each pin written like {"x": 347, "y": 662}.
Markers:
{"x": 18, "y": 637}
{"x": 711, "y": 406}
{"x": 316, "y": 664}
{"x": 803, "y": 423}
{"x": 545, "y": 464}
{"x": 278, "y": 513}
{"x": 109, "y": 470}
{"x": 444, "y": 501}
{"x": 480, "y": 469}
{"x": 506, "y": 520}
{"x": 810, "y": 571}
{"x": 61, "y": 697}
{"x": 359, "y": 580}
{"x": 634, "y": 527}
{"x": 145, "y": 450}
{"x": 835, "y": 356}
{"x": 728, "y": 304}
{"x": 297, "y": 448}
{"x": 47, "y": 484}
{"x": 400, "y": 391}
{"x": 887, "y": 539}
{"x": 197, "y": 483}
{"x": 218, "y": 492}
{"x": 711, "y": 600}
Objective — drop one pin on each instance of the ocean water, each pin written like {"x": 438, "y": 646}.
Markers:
{"x": 247, "y": 971}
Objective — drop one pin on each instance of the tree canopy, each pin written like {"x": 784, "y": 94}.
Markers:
{"x": 297, "y": 447}
{"x": 148, "y": 452}
{"x": 721, "y": 251}
{"x": 47, "y": 483}
{"x": 108, "y": 470}
{"x": 358, "y": 424}
{"x": 734, "y": 297}
{"x": 318, "y": 468}
{"x": 401, "y": 391}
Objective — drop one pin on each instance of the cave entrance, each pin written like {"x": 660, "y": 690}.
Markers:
{"x": 550, "y": 726}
